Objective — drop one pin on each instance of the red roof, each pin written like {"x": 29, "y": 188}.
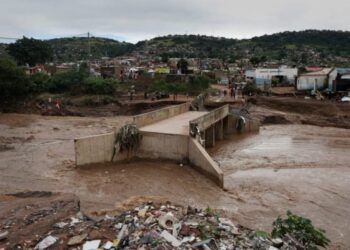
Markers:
{"x": 313, "y": 69}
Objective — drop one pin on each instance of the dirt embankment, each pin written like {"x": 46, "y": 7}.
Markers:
{"x": 90, "y": 105}
{"x": 277, "y": 110}
{"x": 25, "y": 217}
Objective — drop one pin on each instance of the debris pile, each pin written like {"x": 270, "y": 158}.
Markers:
{"x": 156, "y": 226}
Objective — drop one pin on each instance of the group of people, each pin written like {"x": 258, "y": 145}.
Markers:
{"x": 233, "y": 91}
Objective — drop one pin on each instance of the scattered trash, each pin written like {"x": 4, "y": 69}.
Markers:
{"x": 60, "y": 225}
{"x": 108, "y": 245}
{"x": 91, "y": 245}
{"x": 157, "y": 226}
{"x": 346, "y": 99}
{"x": 169, "y": 238}
{"x": 3, "y": 235}
{"x": 45, "y": 243}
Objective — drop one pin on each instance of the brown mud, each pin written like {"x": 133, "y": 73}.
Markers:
{"x": 325, "y": 113}
{"x": 297, "y": 167}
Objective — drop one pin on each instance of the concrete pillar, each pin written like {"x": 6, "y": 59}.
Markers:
{"x": 219, "y": 130}
{"x": 210, "y": 137}
{"x": 225, "y": 125}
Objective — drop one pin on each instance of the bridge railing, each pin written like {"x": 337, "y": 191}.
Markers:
{"x": 160, "y": 114}
{"x": 205, "y": 121}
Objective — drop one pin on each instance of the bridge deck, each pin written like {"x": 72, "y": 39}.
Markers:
{"x": 177, "y": 125}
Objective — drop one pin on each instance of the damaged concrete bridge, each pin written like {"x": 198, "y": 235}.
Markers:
{"x": 172, "y": 133}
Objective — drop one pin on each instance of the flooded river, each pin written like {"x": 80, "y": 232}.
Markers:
{"x": 301, "y": 168}
{"x": 285, "y": 146}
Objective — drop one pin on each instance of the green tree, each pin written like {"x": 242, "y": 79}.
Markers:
{"x": 66, "y": 81}
{"x": 39, "y": 82}
{"x": 100, "y": 86}
{"x": 255, "y": 60}
{"x": 301, "y": 229}
{"x": 197, "y": 84}
{"x": 14, "y": 84}
{"x": 30, "y": 51}
{"x": 182, "y": 65}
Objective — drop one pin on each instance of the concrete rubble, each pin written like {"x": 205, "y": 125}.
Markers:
{"x": 157, "y": 226}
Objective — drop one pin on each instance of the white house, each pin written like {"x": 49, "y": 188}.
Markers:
{"x": 265, "y": 76}
{"x": 314, "y": 80}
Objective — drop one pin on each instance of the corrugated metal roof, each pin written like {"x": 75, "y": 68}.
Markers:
{"x": 324, "y": 71}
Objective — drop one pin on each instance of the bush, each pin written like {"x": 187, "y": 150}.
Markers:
{"x": 66, "y": 81}
{"x": 100, "y": 86}
{"x": 301, "y": 229}
{"x": 250, "y": 89}
{"x": 39, "y": 83}
{"x": 14, "y": 84}
{"x": 197, "y": 84}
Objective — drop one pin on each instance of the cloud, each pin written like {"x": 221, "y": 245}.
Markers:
{"x": 139, "y": 19}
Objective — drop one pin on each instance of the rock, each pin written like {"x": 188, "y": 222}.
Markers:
{"x": 77, "y": 240}
{"x": 272, "y": 248}
{"x": 95, "y": 235}
{"x": 4, "y": 235}
{"x": 91, "y": 245}
{"x": 45, "y": 243}
{"x": 171, "y": 239}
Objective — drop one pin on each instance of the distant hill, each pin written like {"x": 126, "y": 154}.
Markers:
{"x": 304, "y": 47}
{"x": 187, "y": 46}
{"x": 74, "y": 49}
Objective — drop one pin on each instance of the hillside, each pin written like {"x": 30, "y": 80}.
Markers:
{"x": 305, "y": 47}
{"x": 301, "y": 48}
{"x": 73, "y": 49}
{"x": 187, "y": 46}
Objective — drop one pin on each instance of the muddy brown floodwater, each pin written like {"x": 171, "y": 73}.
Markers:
{"x": 301, "y": 168}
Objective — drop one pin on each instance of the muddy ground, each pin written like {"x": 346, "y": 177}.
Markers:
{"x": 298, "y": 167}
{"x": 326, "y": 113}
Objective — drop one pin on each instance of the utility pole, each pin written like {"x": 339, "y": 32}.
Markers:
{"x": 89, "y": 51}
{"x": 89, "y": 45}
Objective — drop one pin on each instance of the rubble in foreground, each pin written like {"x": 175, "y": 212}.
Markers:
{"x": 153, "y": 226}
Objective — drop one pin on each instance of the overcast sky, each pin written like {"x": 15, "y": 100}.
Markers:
{"x": 134, "y": 20}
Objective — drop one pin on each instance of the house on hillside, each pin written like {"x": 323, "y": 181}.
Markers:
{"x": 113, "y": 71}
{"x": 39, "y": 68}
{"x": 339, "y": 79}
{"x": 314, "y": 80}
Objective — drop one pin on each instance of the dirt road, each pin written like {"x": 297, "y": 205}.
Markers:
{"x": 40, "y": 157}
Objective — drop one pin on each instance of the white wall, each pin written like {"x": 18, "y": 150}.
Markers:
{"x": 308, "y": 82}
{"x": 262, "y": 73}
